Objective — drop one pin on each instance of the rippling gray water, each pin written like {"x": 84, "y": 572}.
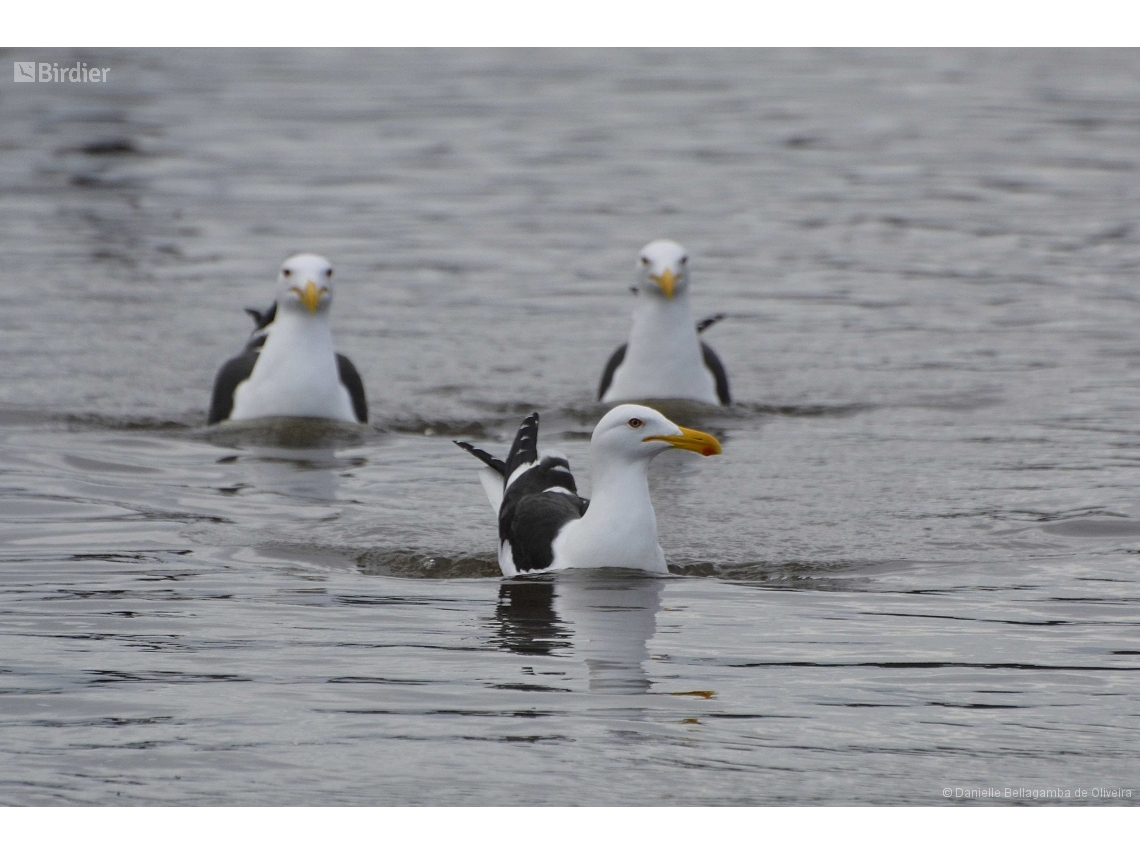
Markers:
{"x": 914, "y": 567}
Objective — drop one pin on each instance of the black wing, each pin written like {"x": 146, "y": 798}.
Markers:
{"x": 531, "y": 517}
{"x": 541, "y": 500}
{"x": 524, "y": 450}
{"x": 712, "y": 362}
{"x": 350, "y": 378}
{"x": 608, "y": 375}
{"x": 263, "y": 319}
{"x": 494, "y": 462}
{"x": 701, "y": 325}
{"x": 229, "y": 376}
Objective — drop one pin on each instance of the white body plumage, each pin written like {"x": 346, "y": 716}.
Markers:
{"x": 663, "y": 358}
{"x": 296, "y": 373}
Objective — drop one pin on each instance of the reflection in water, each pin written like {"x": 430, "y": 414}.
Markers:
{"x": 290, "y": 456}
{"x": 527, "y": 622}
{"x": 304, "y": 473}
{"x": 288, "y": 432}
{"x": 609, "y": 616}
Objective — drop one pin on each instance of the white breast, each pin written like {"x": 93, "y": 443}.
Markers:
{"x": 663, "y": 358}
{"x": 619, "y": 528}
{"x": 295, "y": 375}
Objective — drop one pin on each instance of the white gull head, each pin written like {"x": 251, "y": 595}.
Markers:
{"x": 631, "y": 434}
{"x": 304, "y": 285}
{"x": 619, "y": 529}
{"x": 663, "y": 270}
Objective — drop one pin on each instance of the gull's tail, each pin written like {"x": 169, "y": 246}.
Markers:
{"x": 524, "y": 453}
{"x": 493, "y": 478}
{"x": 494, "y": 462}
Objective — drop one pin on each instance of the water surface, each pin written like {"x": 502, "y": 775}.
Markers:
{"x": 913, "y": 568}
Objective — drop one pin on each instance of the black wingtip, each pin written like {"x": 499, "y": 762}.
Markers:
{"x": 709, "y": 321}
{"x": 260, "y": 318}
{"x": 713, "y": 363}
{"x": 525, "y": 448}
{"x": 615, "y": 360}
{"x": 496, "y": 464}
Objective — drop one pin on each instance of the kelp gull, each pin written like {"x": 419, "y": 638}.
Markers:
{"x": 289, "y": 367}
{"x": 545, "y": 525}
{"x": 664, "y": 357}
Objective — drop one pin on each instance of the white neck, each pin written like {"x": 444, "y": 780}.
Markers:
{"x": 663, "y": 358}
{"x": 293, "y": 334}
{"x": 296, "y": 373}
{"x": 653, "y": 317}
{"x": 619, "y": 528}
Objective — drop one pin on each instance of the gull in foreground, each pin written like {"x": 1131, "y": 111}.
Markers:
{"x": 545, "y": 525}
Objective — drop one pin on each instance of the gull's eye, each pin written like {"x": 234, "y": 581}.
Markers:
{"x": 645, "y": 260}
{"x": 287, "y": 272}
{"x": 684, "y": 259}
{"x": 328, "y": 273}
{"x": 635, "y": 423}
